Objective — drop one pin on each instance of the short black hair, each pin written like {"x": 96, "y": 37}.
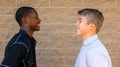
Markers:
{"x": 22, "y": 12}
{"x": 93, "y": 16}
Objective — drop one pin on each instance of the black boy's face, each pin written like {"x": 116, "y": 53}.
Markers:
{"x": 33, "y": 21}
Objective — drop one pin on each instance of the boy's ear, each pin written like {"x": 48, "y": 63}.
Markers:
{"x": 24, "y": 20}
{"x": 92, "y": 26}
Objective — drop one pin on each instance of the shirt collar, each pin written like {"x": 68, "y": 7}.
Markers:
{"x": 90, "y": 39}
{"x": 23, "y": 31}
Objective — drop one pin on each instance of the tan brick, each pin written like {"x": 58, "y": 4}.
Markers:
{"x": 35, "y": 3}
{"x": 7, "y": 11}
{"x": 8, "y": 3}
{"x": 62, "y": 40}
{"x": 55, "y": 61}
{"x": 66, "y": 3}
{"x": 111, "y": 12}
{"x": 1, "y": 58}
{"x": 57, "y": 52}
{"x": 8, "y": 23}
{"x": 100, "y": 3}
{"x": 118, "y": 2}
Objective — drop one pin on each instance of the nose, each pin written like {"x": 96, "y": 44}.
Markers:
{"x": 77, "y": 23}
{"x": 39, "y": 20}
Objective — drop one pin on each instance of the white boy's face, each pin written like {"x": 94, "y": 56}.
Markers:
{"x": 82, "y": 26}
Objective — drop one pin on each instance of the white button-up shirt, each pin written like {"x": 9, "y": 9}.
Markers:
{"x": 93, "y": 54}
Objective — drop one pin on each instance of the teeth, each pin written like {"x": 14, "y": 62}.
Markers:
{"x": 38, "y": 24}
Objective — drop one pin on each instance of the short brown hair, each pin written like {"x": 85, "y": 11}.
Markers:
{"x": 93, "y": 16}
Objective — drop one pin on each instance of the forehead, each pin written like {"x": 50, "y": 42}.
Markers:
{"x": 81, "y": 17}
{"x": 33, "y": 12}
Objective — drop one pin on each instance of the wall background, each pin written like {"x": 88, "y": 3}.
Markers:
{"x": 58, "y": 44}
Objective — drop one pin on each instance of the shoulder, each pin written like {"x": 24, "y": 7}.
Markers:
{"x": 97, "y": 47}
{"x": 17, "y": 46}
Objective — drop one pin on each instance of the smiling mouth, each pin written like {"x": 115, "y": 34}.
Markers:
{"x": 38, "y": 24}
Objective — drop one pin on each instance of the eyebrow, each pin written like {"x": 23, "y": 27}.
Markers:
{"x": 79, "y": 18}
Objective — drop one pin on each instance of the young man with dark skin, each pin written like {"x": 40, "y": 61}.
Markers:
{"x": 93, "y": 53}
{"x": 20, "y": 51}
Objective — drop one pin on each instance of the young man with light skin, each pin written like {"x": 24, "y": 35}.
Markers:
{"x": 93, "y": 53}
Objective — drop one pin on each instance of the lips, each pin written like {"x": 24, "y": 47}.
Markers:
{"x": 39, "y": 25}
{"x": 78, "y": 30}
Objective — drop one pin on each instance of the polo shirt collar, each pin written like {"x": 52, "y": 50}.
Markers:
{"x": 90, "y": 40}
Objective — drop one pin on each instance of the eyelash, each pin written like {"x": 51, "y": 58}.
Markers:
{"x": 79, "y": 21}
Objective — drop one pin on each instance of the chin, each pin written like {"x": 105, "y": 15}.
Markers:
{"x": 36, "y": 29}
{"x": 78, "y": 33}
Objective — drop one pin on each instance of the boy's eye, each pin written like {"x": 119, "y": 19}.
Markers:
{"x": 35, "y": 17}
{"x": 79, "y": 21}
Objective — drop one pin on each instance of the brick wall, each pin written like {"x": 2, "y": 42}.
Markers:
{"x": 58, "y": 44}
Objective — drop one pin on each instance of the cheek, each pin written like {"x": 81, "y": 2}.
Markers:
{"x": 82, "y": 28}
{"x": 33, "y": 23}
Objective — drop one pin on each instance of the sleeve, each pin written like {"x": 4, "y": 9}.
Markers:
{"x": 96, "y": 59}
{"x": 14, "y": 54}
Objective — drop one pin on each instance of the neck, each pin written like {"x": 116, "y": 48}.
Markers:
{"x": 88, "y": 35}
{"x": 29, "y": 32}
